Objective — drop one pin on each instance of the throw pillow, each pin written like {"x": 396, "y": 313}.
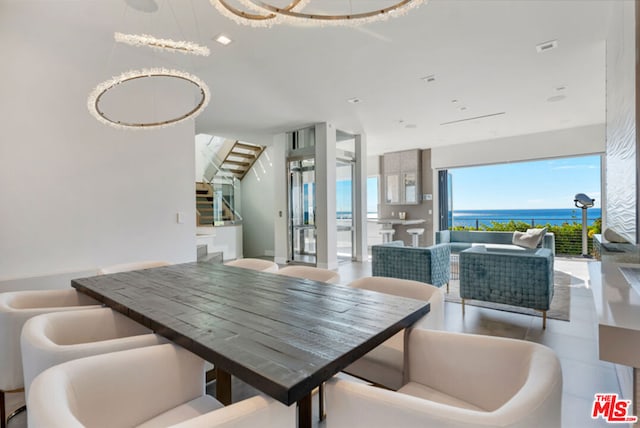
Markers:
{"x": 525, "y": 240}
{"x": 529, "y": 239}
{"x": 538, "y": 233}
{"x": 613, "y": 236}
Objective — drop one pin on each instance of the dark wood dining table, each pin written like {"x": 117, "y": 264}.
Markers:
{"x": 284, "y": 336}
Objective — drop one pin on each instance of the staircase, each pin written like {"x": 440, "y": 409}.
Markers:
{"x": 224, "y": 163}
{"x": 204, "y": 204}
{"x": 205, "y": 210}
{"x": 240, "y": 157}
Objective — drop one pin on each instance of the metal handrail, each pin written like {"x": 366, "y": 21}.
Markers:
{"x": 543, "y": 221}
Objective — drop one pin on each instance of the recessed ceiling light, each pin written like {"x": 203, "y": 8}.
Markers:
{"x": 223, "y": 40}
{"x": 547, "y": 46}
{"x": 411, "y": 126}
{"x": 354, "y": 100}
{"x": 429, "y": 79}
{"x": 561, "y": 88}
{"x": 462, "y": 108}
{"x": 454, "y": 101}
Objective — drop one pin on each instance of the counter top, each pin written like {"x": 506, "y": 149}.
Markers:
{"x": 618, "y": 311}
{"x": 394, "y": 221}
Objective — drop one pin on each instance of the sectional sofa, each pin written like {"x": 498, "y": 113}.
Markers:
{"x": 460, "y": 240}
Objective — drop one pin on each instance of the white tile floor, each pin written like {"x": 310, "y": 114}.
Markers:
{"x": 575, "y": 342}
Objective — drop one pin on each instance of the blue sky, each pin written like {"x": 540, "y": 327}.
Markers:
{"x": 526, "y": 185}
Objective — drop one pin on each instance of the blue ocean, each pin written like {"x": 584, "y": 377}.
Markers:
{"x": 534, "y": 217}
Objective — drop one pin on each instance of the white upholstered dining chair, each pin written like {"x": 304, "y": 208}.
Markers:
{"x": 254, "y": 264}
{"x": 458, "y": 380}
{"x": 312, "y": 273}
{"x": 384, "y": 365}
{"x": 154, "y": 386}
{"x": 16, "y": 308}
{"x": 54, "y": 338}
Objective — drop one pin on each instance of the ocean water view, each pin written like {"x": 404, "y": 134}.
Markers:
{"x": 553, "y": 216}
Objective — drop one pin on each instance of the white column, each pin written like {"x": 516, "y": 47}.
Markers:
{"x": 326, "y": 227}
{"x": 360, "y": 188}
{"x": 281, "y": 231}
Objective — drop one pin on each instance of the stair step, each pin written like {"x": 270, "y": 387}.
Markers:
{"x": 236, "y": 163}
{"x": 248, "y": 147}
{"x": 242, "y": 155}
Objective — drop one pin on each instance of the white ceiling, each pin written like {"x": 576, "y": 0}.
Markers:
{"x": 482, "y": 53}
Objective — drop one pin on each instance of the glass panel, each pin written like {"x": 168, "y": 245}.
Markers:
{"x": 372, "y": 197}
{"x": 344, "y": 209}
{"x": 223, "y": 202}
{"x": 393, "y": 189}
{"x": 410, "y": 195}
{"x": 302, "y": 210}
{"x": 302, "y": 138}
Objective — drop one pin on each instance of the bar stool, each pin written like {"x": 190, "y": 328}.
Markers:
{"x": 387, "y": 235}
{"x": 415, "y": 236}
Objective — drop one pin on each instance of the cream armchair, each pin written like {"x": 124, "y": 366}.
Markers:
{"x": 15, "y": 309}
{"x": 384, "y": 365}
{"x": 126, "y": 267}
{"x": 155, "y": 386}
{"x": 458, "y": 380}
{"x": 51, "y": 339}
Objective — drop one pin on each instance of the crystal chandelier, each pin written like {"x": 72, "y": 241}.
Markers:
{"x": 258, "y": 13}
{"x": 95, "y": 97}
{"x": 161, "y": 44}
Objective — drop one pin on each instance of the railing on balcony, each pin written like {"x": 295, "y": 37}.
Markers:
{"x": 567, "y": 231}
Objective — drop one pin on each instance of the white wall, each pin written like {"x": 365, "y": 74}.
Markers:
{"x": 621, "y": 122}
{"x": 325, "y": 176}
{"x": 258, "y": 204}
{"x": 562, "y": 143}
{"x": 373, "y": 165}
{"x": 75, "y": 194}
{"x": 279, "y": 194}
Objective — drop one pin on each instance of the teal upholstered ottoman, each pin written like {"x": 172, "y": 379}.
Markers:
{"x": 513, "y": 277}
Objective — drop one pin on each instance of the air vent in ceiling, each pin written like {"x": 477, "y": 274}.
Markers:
{"x": 473, "y": 118}
{"x": 547, "y": 46}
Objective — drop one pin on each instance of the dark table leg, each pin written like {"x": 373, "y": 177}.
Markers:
{"x": 304, "y": 412}
{"x": 223, "y": 386}
{"x": 322, "y": 415}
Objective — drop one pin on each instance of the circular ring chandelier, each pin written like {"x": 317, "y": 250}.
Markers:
{"x": 161, "y": 44}
{"x": 292, "y": 13}
{"x": 93, "y": 102}
{"x": 266, "y": 19}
